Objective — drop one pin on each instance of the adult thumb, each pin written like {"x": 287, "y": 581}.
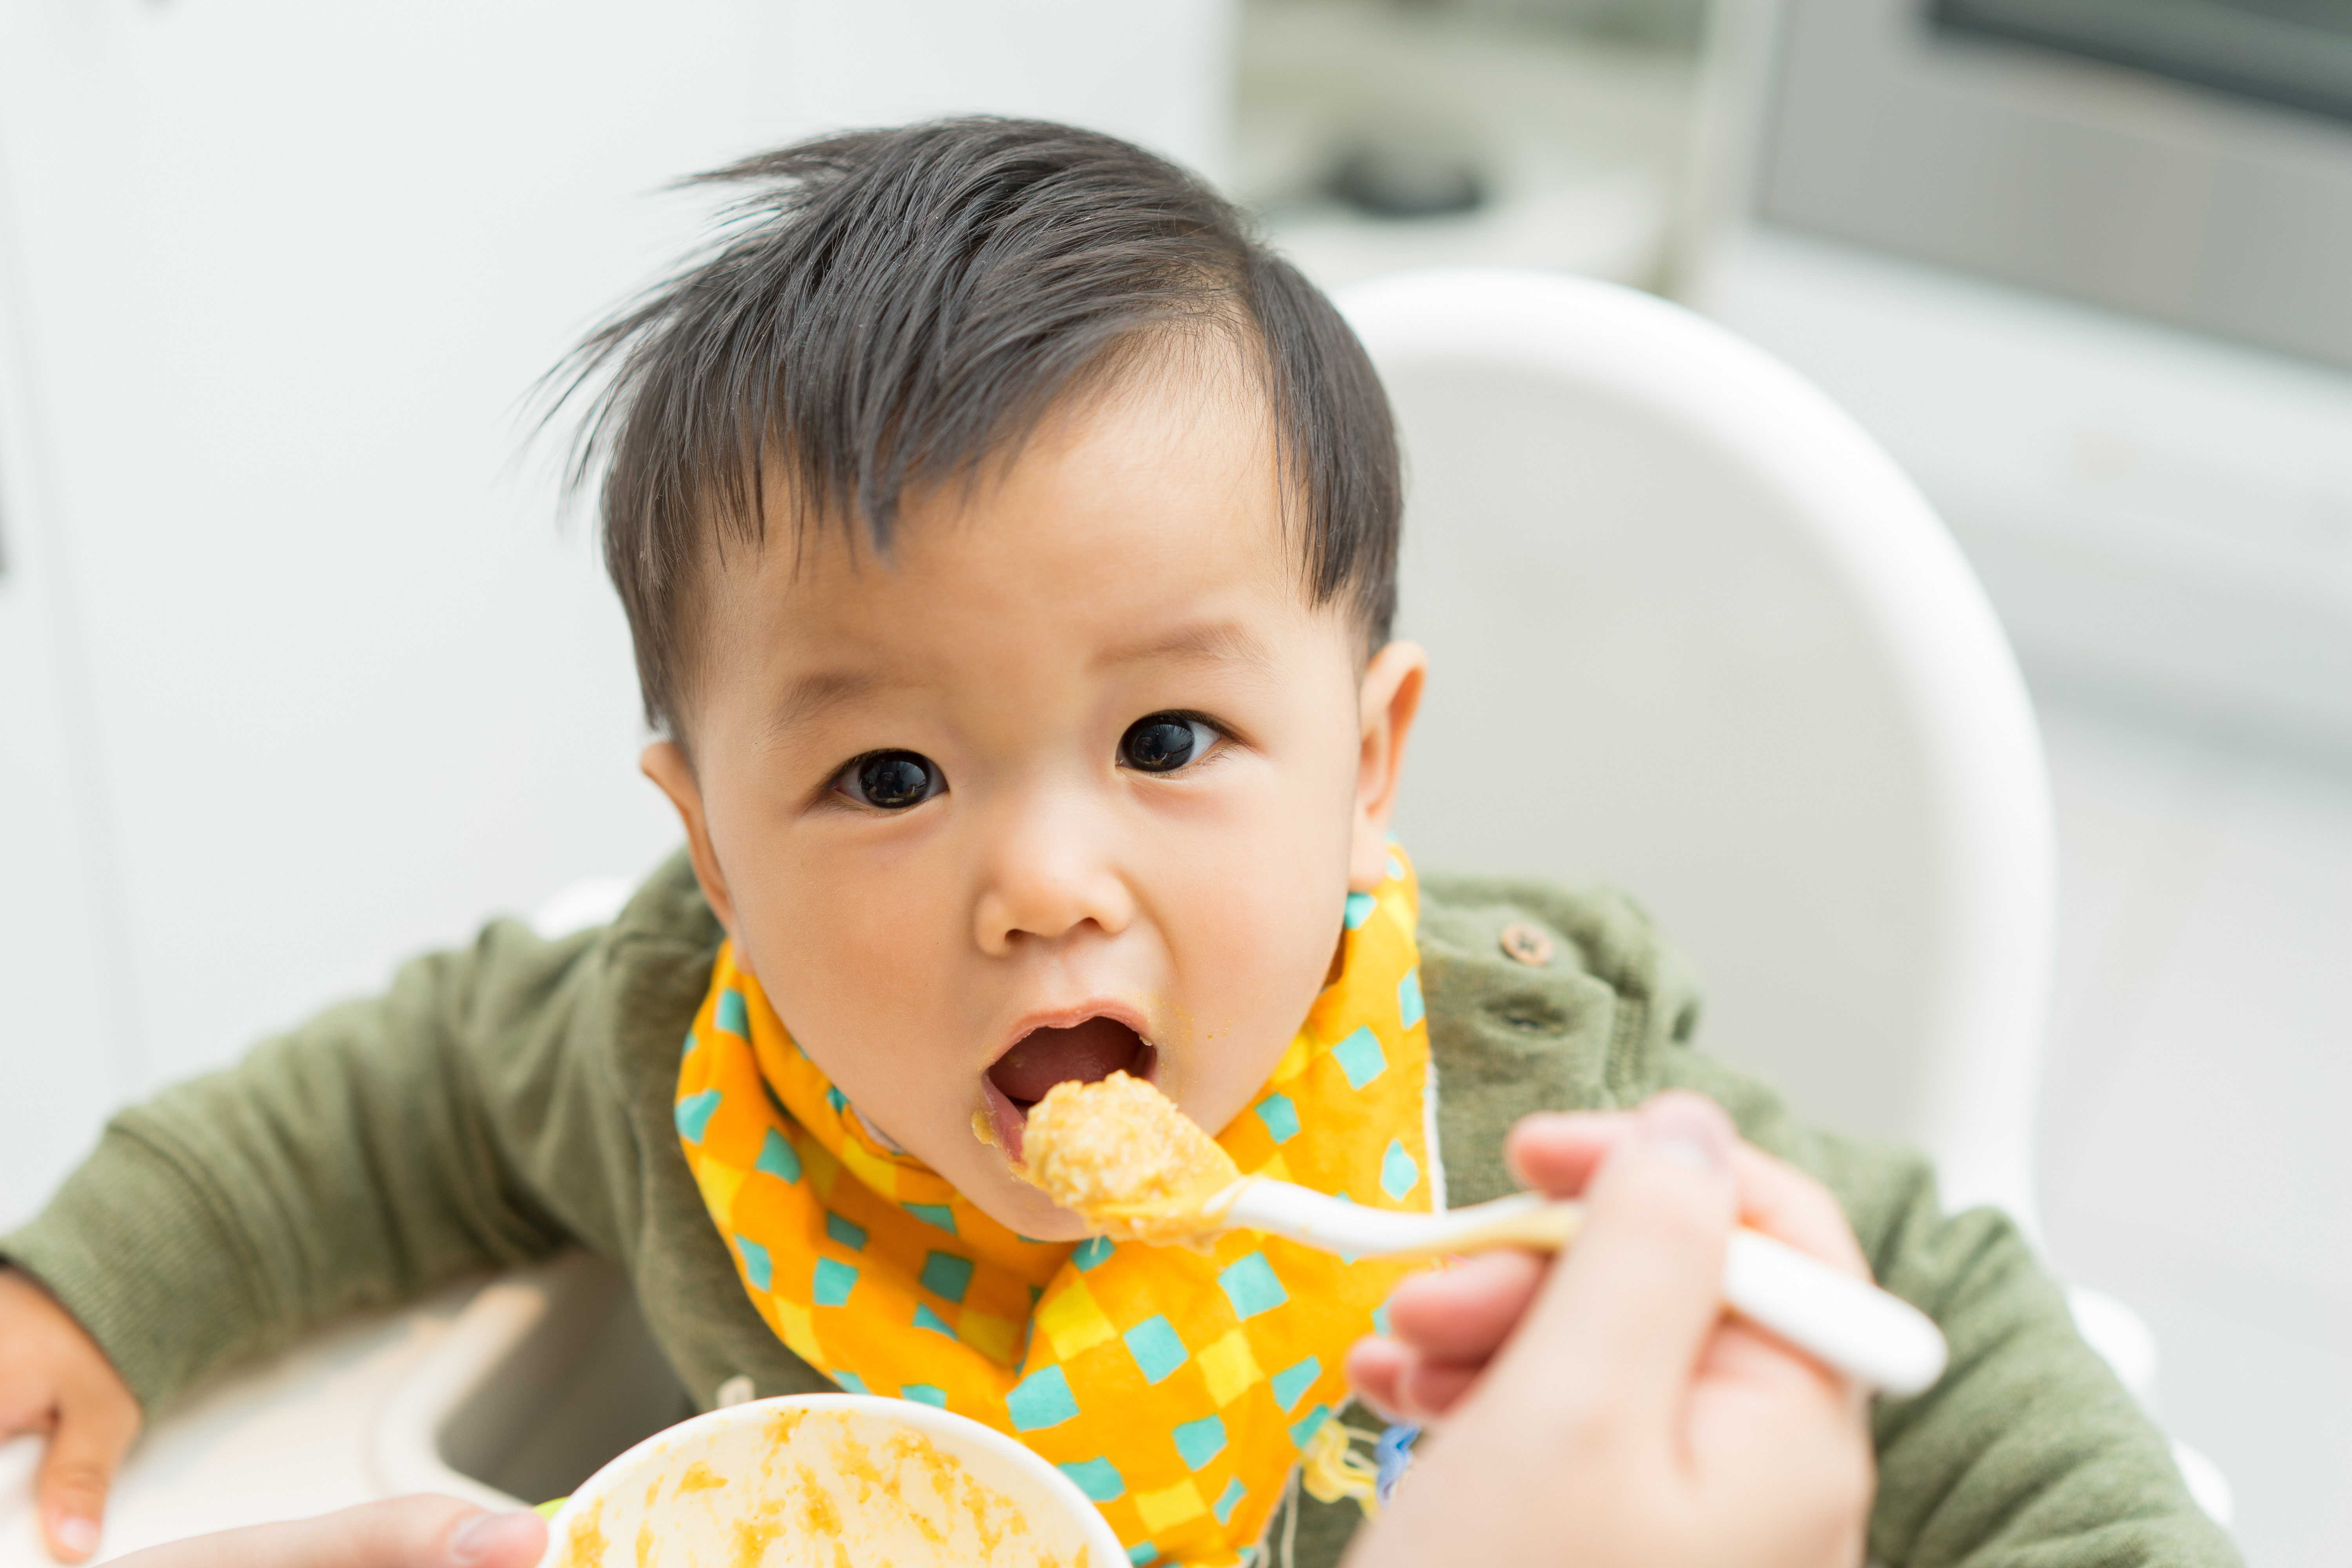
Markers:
{"x": 419, "y": 1532}
{"x": 1643, "y": 1283}
{"x": 92, "y": 1435}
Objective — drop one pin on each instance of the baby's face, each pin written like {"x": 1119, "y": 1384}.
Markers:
{"x": 1076, "y": 782}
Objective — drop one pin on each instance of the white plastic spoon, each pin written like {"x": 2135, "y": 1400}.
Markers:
{"x": 1877, "y": 1338}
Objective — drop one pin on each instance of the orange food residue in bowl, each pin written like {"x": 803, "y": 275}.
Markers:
{"x": 819, "y": 1487}
{"x": 700, "y": 1478}
{"x": 585, "y": 1548}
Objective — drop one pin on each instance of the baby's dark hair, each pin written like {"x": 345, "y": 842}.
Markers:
{"x": 889, "y": 309}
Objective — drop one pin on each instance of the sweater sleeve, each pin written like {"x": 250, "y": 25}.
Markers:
{"x": 2028, "y": 1453}
{"x": 453, "y": 1124}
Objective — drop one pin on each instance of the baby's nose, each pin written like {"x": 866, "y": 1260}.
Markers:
{"x": 1046, "y": 880}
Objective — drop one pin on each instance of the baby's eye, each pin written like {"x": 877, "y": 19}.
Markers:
{"x": 1165, "y": 742}
{"x": 891, "y": 780}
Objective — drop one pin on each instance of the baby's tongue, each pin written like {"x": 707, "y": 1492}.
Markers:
{"x": 1087, "y": 1052}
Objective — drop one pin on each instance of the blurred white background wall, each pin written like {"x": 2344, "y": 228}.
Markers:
{"x": 296, "y": 673}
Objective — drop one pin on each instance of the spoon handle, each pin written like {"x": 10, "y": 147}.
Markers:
{"x": 1849, "y": 1324}
{"x": 1521, "y": 1220}
{"x": 1875, "y": 1338}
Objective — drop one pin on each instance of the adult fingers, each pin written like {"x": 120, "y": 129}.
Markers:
{"x": 1429, "y": 1390}
{"x": 94, "y": 1428}
{"x": 1374, "y": 1368}
{"x": 1743, "y": 1356}
{"x": 1781, "y": 1201}
{"x": 403, "y": 1532}
{"x": 1557, "y": 1151}
{"x": 1400, "y": 1384}
{"x": 1644, "y": 1279}
{"x": 1465, "y": 1312}
{"x": 1782, "y": 1445}
{"x": 431, "y": 1533}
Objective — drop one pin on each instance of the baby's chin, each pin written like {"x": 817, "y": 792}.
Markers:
{"x": 1020, "y": 1207}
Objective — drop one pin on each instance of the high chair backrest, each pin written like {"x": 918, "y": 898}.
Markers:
{"x": 1695, "y": 634}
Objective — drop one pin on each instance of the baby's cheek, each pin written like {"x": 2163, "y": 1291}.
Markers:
{"x": 853, "y": 999}
{"x": 1258, "y": 975}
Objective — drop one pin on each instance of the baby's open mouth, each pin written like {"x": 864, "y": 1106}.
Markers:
{"x": 1087, "y": 1052}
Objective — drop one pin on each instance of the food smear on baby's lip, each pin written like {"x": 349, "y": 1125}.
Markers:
{"x": 1118, "y": 1153}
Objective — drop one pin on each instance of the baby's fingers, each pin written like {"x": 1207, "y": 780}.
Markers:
{"x": 95, "y": 1426}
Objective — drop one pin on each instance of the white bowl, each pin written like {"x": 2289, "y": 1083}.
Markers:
{"x": 827, "y": 1478}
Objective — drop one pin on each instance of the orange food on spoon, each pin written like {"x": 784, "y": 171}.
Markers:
{"x": 1120, "y": 1153}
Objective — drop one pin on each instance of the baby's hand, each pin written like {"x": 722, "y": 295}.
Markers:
{"x": 54, "y": 1380}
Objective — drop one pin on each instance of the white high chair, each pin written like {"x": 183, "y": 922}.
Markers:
{"x": 1693, "y": 633}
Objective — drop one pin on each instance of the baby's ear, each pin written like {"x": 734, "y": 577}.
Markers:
{"x": 1388, "y": 696}
{"x": 667, "y": 765}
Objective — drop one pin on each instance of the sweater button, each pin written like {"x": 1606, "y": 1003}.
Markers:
{"x": 1526, "y": 944}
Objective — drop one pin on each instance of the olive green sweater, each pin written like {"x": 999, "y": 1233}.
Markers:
{"x": 502, "y": 1102}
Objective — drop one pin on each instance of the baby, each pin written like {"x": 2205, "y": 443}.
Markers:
{"x": 1009, "y": 546}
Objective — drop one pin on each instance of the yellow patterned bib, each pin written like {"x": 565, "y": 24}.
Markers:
{"x": 1177, "y": 1390}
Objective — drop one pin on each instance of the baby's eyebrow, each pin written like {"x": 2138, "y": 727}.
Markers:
{"x": 1225, "y": 642}
{"x": 1214, "y": 642}
{"x": 819, "y": 692}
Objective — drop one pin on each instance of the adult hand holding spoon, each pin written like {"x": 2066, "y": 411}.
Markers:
{"x": 1602, "y": 1399}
